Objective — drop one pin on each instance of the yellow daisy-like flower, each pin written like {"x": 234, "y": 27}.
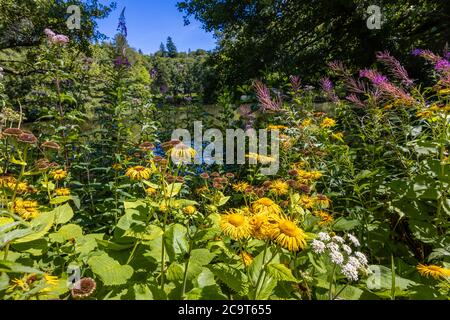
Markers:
{"x": 202, "y": 190}
{"x": 266, "y": 159}
{"x": 235, "y": 225}
{"x": 7, "y": 181}
{"x": 163, "y": 208}
{"x": 444, "y": 91}
{"x": 26, "y": 209}
{"x": 433, "y": 271}
{"x": 59, "y": 174}
{"x": 189, "y": 210}
{"x": 151, "y": 191}
{"x": 247, "y": 258}
{"x": 19, "y": 283}
{"x": 261, "y": 158}
{"x": 279, "y": 187}
{"x": 322, "y": 201}
{"x": 326, "y": 217}
{"x": 328, "y": 123}
{"x": 51, "y": 281}
{"x": 289, "y": 236}
{"x": 117, "y": 166}
{"x": 425, "y": 114}
{"x": 240, "y": 187}
{"x": 62, "y": 192}
{"x": 307, "y": 202}
{"x": 286, "y": 142}
{"x": 182, "y": 153}
{"x": 307, "y": 123}
{"x": 138, "y": 173}
{"x": 262, "y": 225}
{"x": 266, "y": 206}
{"x": 308, "y": 176}
{"x": 22, "y": 187}
{"x": 276, "y": 127}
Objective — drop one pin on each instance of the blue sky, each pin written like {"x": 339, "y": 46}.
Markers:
{"x": 150, "y": 22}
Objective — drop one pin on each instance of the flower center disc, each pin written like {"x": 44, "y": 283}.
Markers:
{"x": 236, "y": 220}
{"x": 288, "y": 228}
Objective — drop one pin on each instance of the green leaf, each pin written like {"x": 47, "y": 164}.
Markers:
{"x": 36, "y": 248}
{"x": 342, "y": 224}
{"x": 233, "y": 278}
{"x": 109, "y": 270}
{"x": 40, "y": 225}
{"x": 4, "y": 281}
{"x": 60, "y": 199}
{"x": 423, "y": 187}
{"x": 63, "y": 214}
{"x": 8, "y": 237}
{"x": 147, "y": 234}
{"x": 280, "y": 272}
{"x": 424, "y": 231}
{"x": 381, "y": 279}
{"x": 176, "y": 241}
{"x": 175, "y": 272}
{"x": 13, "y": 267}
{"x": 173, "y": 189}
{"x": 114, "y": 246}
{"x": 222, "y": 201}
{"x": 67, "y": 232}
{"x": 199, "y": 258}
{"x": 212, "y": 292}
{"x": 88, "y": 243}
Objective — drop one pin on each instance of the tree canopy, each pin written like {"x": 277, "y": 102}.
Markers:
{"x": 300, "y": 36}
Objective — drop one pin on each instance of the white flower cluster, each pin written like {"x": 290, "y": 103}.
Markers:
{"x": 340, "y": 251}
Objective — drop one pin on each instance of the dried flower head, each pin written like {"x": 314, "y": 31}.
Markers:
{"x": 84, "y": 288}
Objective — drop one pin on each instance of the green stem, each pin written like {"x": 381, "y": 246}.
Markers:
{"x": 332, "y": 281}
{"x": 261, "y": 273}
{"x": 133, "y": 251}
{"x": 5, "y": 256}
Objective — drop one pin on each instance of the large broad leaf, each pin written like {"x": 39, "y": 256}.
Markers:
{"x": 13, "y": 267}
{"x": 280, "y": 272}
{"x": 8, "y": 237}
{"x": 173, "y": 189}
{"x": 63, "y": 214}
{"x": 88, "y": 243}
{"x": 343, "y": 224}
{"x": 199, "y": 258}
{"x": 133, "y": 225}
{"x": 175, "y": 272}
{"x": 40, "y": 225}
{"x": 212, "y": 292}
{"x": 111, "y": 272}
{"x": 423, "y": 187}
{"x": 381, "y": 279}
{"x": 4, "y": 281}
{"x": 67, "y": 232}
{"x": 35, "y": 248}
{"x": 176, "y": 241}
{"x": 233, "y": 278}
{"x": 424, "y": 231}
{"x": 149, "y": 233}
{"x": 104, "y": 244}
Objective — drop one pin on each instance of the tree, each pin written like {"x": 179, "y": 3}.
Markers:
{"x": 162, "y": 50}
{"x": 171, "y": 48}
{"x": 22, "y": 22}
{"x": 300, "y": 36}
